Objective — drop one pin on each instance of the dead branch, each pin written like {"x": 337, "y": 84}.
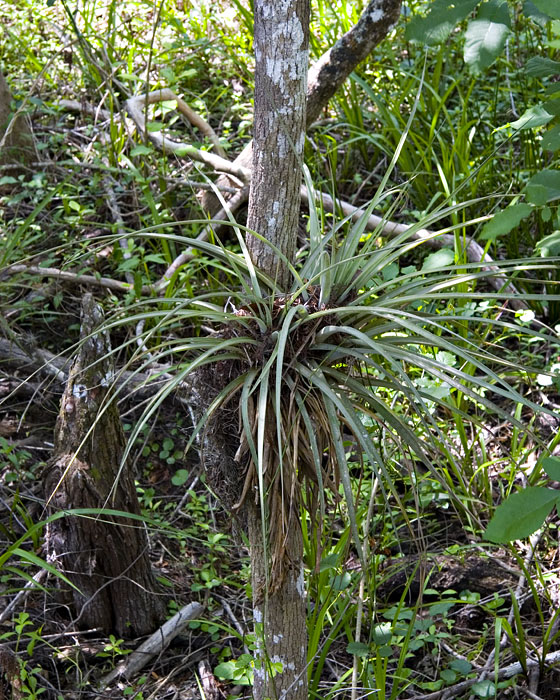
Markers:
{"x": 210, "y": 688}
{"x": 85, "y": 108}
{"x": 74, "y": 277}
{"x": 116, "y": 215}
{"x": 232, "y": 205}
{"x": 475, "y": 252}
{"x": 167, "y": 95}
{"x": 136, "y": 109}
{"x": 503, "y": 673}
{"x": 29, "y": 587}
{"x": 154, "y": 645}
{"x": 19, "y": 354}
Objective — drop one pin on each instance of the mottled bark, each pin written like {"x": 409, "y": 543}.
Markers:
{"x": 16, "y": 139}
{"x": 280, "y": 617}
{"x": 105, "y": 556}
{"x": 328, "y": 74}
{"x": 281, "y": 39}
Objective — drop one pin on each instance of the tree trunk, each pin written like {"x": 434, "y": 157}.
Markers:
{"x": 281, "y": 38}
{"x": 280, "y": 617}
{"x": 105, "y": 556}
{"x": 281, "y": 44}
{"x": 328, "y": 74}
{"x": 16, "y": 139}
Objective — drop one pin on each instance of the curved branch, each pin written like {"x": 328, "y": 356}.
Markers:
{"x": 335, "y": 65}
{"x": 136, "y": 109}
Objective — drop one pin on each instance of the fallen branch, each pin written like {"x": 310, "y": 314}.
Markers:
{"x": 19, "y": 354}
{"x": 210, "y": 688}
{"x": 74, "y": 277}
{"x": 114, "y": 208}
{"x": 232, "y": 205}
{"x": 136, "y": 109}
{"x": 167, "y": 95}
{"x": 517, "y": 594}
{"x": 475, "y": 252}
{"x": 154, "y": 645}
{"x": 85, "y": 108}
{"x": 503, "y": 673}
{"x": 29, "y": 587}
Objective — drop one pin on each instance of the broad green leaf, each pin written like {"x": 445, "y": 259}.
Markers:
{"x": 225, "y": 670}
{"x": 157, "y": 258}
{"x": 385, "y": 651}
{"x": 382, "y": 633}
{"x": 180, "y": 477}
{"x": 154, "y": 126}
{"x": 539, "y": 67}
{"x": 441, "y": 258}
{"x": 484, "y": 689}
{"x": 462, "y": 666}
{"x": 532, "y": 11}
{"x": 550, "y": 8}
{"x": 552, "y": 106}
{"x": 551, "y": 139}
{"x": 341, "y": 581}
{"x": 141, "y": 150}
{"x": 521, "y": 514}
{"x": 329, "y": 562}
{"x": 505, "y": 221}
{"x": 551, "y": 465}
{"x": 448, "y": 675}
{"x": 543, "y": 187}
{"x": 358, "y": 649}
{"x": 531, "y": 118}
{"x": 442, "y": 18}
{"x": 486, "y": 35}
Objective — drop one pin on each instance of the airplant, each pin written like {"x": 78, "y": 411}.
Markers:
{"x": 299, "y": 369}
{"x": 295, "y": 377}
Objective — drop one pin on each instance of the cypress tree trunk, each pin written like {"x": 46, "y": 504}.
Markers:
{"x": 16, "y": 139}
{"x": 281, "y": 56}
{"x": 104, "y": 556}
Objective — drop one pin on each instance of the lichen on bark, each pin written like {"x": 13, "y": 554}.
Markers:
{"x": 281, "y": 55}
